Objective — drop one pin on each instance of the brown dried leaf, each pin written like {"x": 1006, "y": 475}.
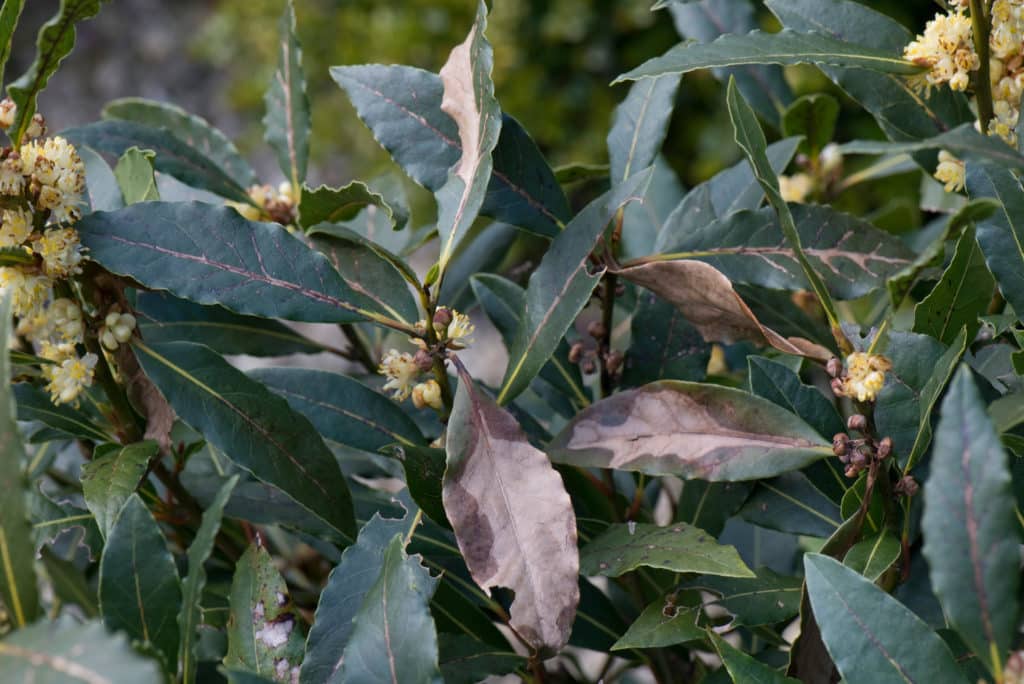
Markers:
{"x": 512, "y": 518}
{"x": 708, "y": 432}
{"x": 146, "y": 398}
{"x": 708, "y": 300}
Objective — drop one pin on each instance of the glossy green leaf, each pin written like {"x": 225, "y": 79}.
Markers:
{"x": 253, "y": 427}
{"x": 192, "y": 130}
{"x": 342, "y": 409}
{"x": 173, "y": 156}
{"x": 786, "y": 47}
{"x": 963, "y": 142}
{"x": 163, "y": 318}
{"x": 65, "y": 651}
{"x": 56, "y": 40}
{"x": 691, "y": 430}
{"x": 743, "y": 668}
{"x": 134, "y": 173}
{"x": 212, "y": 255}
{"x": 640, "y": 125}
{"x": 288, "y": 121}
{"x": 872, "y": 638}
{"x": 17, "y": 575}
{"x": 424, "y": 474}
{"x": 971, "y": 534}
{"x": 331, "y": 205}
{"x": 852, "y": 256}
{"x": 192, "y": 586}
{"x": 664, "y": 345}
{"x": 560, "y": 287}
{"x": 762, "y": 600}
{"x": 109, "y": 480}
{"x": 814, "y": 118}
{"x": 960, "y": 297}
{"x": 10, "y": 12}
{"x": 139, "y": 588}
{"x": 708, "y": 505}
{"x": 677, "y": 547}
{"x": 465, "y": 660}
{"x": 263, "y": 627}
{"x": 34, "y": 404}
{"x": 777, "y": 383}
{"x": 661, "y": 624}
{"x": 873, "y": 556}
{"x": 791, "y": 503}
{"x": 1000, "y": 235}
{"x": 402, "y": 107}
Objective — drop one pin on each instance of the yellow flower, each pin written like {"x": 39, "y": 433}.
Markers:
{"x": 865, "y": 375}
{"x": 61, "y": 252}
{"x": 459, "y": 330}
{"x": 946, "y": 47}
{"x": 427, "y": 394}
{"x": 796, "y": 188}
{"x": 950, "y": 172}
{"x": 69, "y": 375}
{"x": 16, "y": 226}
{"x": 401, "y": 372}
{"x": 28, "y": 292}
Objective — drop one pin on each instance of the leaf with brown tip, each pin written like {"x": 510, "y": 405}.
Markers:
{"x": 708, "y": 300}
{"x": 706, "y": 432}
{"x": 512, "y": 518}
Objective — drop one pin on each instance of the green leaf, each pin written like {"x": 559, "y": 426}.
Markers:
{"x": 560, "y": 287}
{"x": 960, "y": 297}
{"x": 393, "y": 638}
{"x": 640, "y": 125}
{"x": 1001, "y": 235}
{"x": 355, "y": 575}
{"x": 709, "y": 505}
{"x": 963, "y": 142}
{"x": 253, "y": 427}
{"x": 664, "y": 345}
{"x": 776, "y": 382}
{"x": 873, "y": 556}
{"x": 134, "y": 173}
{"x": 748, "y": 247}
{"x": 424, "y": 475}
{"x": 677, "y": 547}
{"x": 786, "y": 47}
{"x": 691, "y": 430}
{"x": 342, "y": 409}
{"x": 173, "y": 156}
{"x": 971, "y": 535}
{"x": 192, "y": 130}
{"x": 163, "y": 318}
{"x": 512, "y": 517}
{"x": 743, "y": 668}
{"x": 873, "y": 638}
{"x": 751, "y": 140}
{"x": 791, "y": 503}
{"x": 56, "y": 40}
{"x": 212, "y": 255}
{"x": 17, "y": 576}
{"x": 814, "y": 118}
{"x": 287, "y": 122}
{"x": 465, "y": 660}
{"x": 402, "y": 107}
{"x": 34, "y": 404}
{"x": 469, "y": 100}
{"x": 9, "y": 14}
{"x": 263, "y": 626}
{"x": 765, "y": 599}
{"x": 661, "y": 624}
{"x": 65, "y": 651}
{"x": 101, "y": 185}
{"x": 139, "y": 588}
{"x": 69, "y": 583}
{"x": 331, "y": 205}
{"x": 192, "y": 587}
{"x": 109, "y": 480}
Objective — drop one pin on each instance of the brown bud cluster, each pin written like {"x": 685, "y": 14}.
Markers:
{"x": 858, "y": 454}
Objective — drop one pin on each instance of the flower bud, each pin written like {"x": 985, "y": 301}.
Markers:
{"x": 588, "y": 366}
{"x": 427, "y": 394}
{"x": 112, "y": 318}
{"x": 423, "y": 360}
{"x": 851, "y": 471}
{"x": 907, "y": 486}
{"x": 837, "y": 385}
{"x": 8, "y": 111}
{"x": 834, "y": 367}
{"x": 840, "y": 444}
{"x": 597, "y": 330}
{"x": 613, "y": 362}
{"x": 37, "y": 127}
{"x": 857, "y": 422}
{"x": 108, "y": 339}
{"x": 442, "y": 317}
{"x": 859, "y": 458}
{"x": 884, "y": 448}
{"x": 576, "y": 352}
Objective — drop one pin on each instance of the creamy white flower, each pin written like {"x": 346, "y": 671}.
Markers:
{"x": 28, "y": 292}
{"x": 69, "y": 376}
{"x": 865, "y": 375}
{"x": 950, "y": 171}
{"x": 61, "y": 252}
{"x": 427, "y": 394}
{"x": 459, "y": 329}
{"x": 401, "y": 372}
{"x": 796, "y": 188}
{"x": 15, "y": 227}
{"x": 117, "y": 329}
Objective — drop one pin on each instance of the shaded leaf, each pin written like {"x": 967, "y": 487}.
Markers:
{"x": 743, "y": 668}
{"x": 960, "y": 297}
{"x": 677, "y": 547}
{"x": 776, "y": 382}
{"x": 873, "y": 556}
{"x": 814, "y": 118}
{"x": 464, "y": 660}
{"x": 870, "y": 635}
{"x": 971, "y": 535}
{"x": 661, "y": 624}
{"x": 765, "y": 599}
{"x": 791, "y": 503}
{"x": 707, "y": 432}
{"x": 512, "y": 518}
{"x": 134, "y": 173}
{"x": 331, "y": 205}
{"x": 963, "y": 142}
{"x": 287, "y": 122}
{"x": 109, "y": 480}
{"x": 708, "y": 505}
{"x": 139, "y": 588}
{"x": 664, "y": 345}
{"x": 100, "y": 183}
{"x": 34, "y": 404}
{"x": 63, "y": 651}
{"x": 424, "y": 474}
{"x": 69, "y": 583}
{"x": 640, "y": 125}
{"x": 1000, "y": 235}
{"x": 253, "y": 427}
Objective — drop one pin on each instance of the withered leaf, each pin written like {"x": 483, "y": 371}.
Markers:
{"x": 708, "y": 300}
{"x": 512, "y": 518}
{"x": 707, "y": 432}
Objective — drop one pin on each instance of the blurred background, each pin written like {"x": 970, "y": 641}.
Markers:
{"x": 554, "y": 60}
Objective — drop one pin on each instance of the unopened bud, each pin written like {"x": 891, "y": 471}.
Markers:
{"x": 442, "y": 317}
{"x": 834, "y": 367}
{"x": 576, "y": 352}
{"x": 840, "y": 443}
{"x": 613, "y": 362}
{"x": 597, "y": 330}
{"x": 588, "y": 366}
{"x": 423, "y": 360}
{"x": 857, "y": 422}
{"x": 851, "y": 471}
{"x": 108, "y": 340}
{"x": 837, "y": 387}
{"x": 859, "y": 458}
{"x": 8, "y": 111}
{"x": 907, "y": 485}
{"x": 37, "y": 127}
{"x": 884, "y": 448}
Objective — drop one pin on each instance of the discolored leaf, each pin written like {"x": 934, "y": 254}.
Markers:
{"x": 512, "y": 518}
{"x": 212, "y": 255}
{"x": 65, "y": 651}
{"x": 677, "y": 547}
{"x": 640, "y": 125}
{"x": 263, "y": 628}
{"x": 691, "y": 430}
{"x": 765, "y": 599}
{"x": 287, "y": 122}
{"x": 743, "y": 668}
{"x": 971, "y": 534}
{"x": 871, "y": 636}
{"x": 109, "y": 480}
{"x": 661, "y": 624}
{"x": 960, "y": 297}
{"x": 191, "y": 614}
{"x": 707, "y": 299}
{"x": 251, "y": 426}
{"x": 139, "y": 588}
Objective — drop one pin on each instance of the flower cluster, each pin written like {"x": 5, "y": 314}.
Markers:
{"x": 403, "y": 370}
{"x": 946, "y": 48}
{"x": 42, "y": 183}
{"x": 117, "y": 329}
{"x": 269, "y": 203}
{"x": 862, "y": 377}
